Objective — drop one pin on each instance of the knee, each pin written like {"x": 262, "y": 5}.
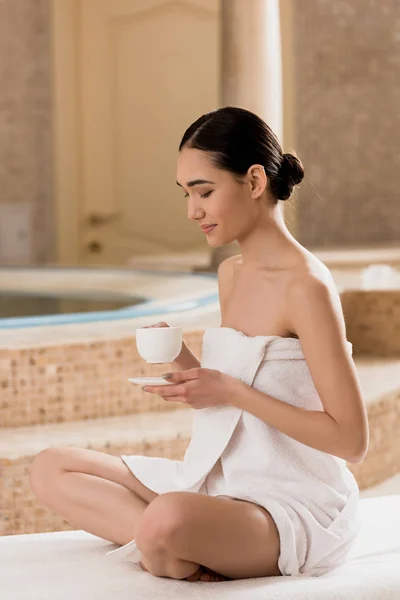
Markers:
{"x": 161, "y": 521}
{"x": 41, "y": 470}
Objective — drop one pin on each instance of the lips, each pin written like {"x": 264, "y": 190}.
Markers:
{"x": 207, "y": 229}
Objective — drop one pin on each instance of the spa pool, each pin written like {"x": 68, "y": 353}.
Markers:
{"x": 41, "y": 305}
{"x": 38, "y": 304}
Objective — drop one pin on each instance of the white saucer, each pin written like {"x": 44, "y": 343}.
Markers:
{"x": 150, "y": 381}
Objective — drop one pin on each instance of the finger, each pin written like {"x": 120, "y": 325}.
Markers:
{"x": 172, "y": 397}
{"x": 175, "y": 398}
{"x": 177, "y": 376}
{"x": 162, "y": 390}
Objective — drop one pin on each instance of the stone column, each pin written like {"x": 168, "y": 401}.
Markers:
{"x": 251, "y": 63}
{"x": 251, "y": 69}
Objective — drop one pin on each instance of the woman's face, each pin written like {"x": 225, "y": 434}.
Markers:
{"x": 215, "y": 197}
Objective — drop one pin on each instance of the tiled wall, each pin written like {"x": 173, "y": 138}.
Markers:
{"x": 347, "y": 86}
{"x": 58, "y": 383}
{"x": 25, "y": 119}
{"x": 86, "y": 382}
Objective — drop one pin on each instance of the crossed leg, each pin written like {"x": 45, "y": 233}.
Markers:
{"x": 178, "y": 533}
{"x": 92, "y": 490}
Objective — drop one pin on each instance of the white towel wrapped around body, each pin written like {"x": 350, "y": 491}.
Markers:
{"x": 311, "y": 495}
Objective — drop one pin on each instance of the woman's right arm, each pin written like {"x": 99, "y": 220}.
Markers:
{"x": 187, "y": 360}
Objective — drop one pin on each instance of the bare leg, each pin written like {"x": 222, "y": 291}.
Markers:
{"x": 181, "y": 531}
{"x": 96, "y": 492}
{"x": 98, "y": 502}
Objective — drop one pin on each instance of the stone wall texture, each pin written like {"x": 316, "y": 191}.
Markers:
{"x": 25, "y": 118}
{"x": 347, "y": 82}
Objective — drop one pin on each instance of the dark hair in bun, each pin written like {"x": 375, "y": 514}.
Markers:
{"x": 237, "y": 139}
{"x": 290, "y": 173}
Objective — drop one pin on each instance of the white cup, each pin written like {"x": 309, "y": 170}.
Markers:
{"x": 159, "y": 344}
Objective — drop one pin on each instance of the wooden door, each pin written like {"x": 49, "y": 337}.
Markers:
{"x": 145, "y": 69}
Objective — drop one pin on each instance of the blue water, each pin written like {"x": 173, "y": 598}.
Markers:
{"x": 82, "y": 307}
{"x": 14, "y": 304}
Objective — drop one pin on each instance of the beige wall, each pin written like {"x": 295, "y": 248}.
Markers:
{"x": 347, "y": 95}
{"x": 344, "y": 77}
{"x": 25, "y": 124}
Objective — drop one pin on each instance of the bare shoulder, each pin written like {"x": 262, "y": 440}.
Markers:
{"x": 226, "y": 271}
{"x": 311, "y": 272}
{"x": 313, "y": 296}
{"x": 227, "y": 266}
{"x": 315, "y": 313}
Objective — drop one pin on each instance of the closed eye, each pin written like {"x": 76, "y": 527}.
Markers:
{"x": 202, "y": 195}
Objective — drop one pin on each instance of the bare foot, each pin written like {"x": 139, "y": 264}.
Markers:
{"x": 205, "y": 574}
{"x": 202, "y": 574}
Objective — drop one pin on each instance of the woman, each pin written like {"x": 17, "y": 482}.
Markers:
{"x": 264, "y": 488}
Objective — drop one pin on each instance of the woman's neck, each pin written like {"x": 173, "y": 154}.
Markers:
{"x": 269, "y": 244}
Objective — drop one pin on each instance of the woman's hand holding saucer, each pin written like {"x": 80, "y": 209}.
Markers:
{"x": 198, "y": 387}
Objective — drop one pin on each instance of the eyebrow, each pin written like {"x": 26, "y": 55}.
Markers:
{"x": 195, "y": 182}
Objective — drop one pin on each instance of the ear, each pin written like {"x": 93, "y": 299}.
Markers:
{"x": 257, "y": 180}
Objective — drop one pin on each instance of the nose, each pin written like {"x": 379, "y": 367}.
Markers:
{"x": 195, "y": 211}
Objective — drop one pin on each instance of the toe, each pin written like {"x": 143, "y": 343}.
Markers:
{"x": 205, "y": 575}
{"x": 195, "y": 576}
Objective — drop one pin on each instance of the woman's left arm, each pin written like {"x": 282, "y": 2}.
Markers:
{"x": 315, "y": 314}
